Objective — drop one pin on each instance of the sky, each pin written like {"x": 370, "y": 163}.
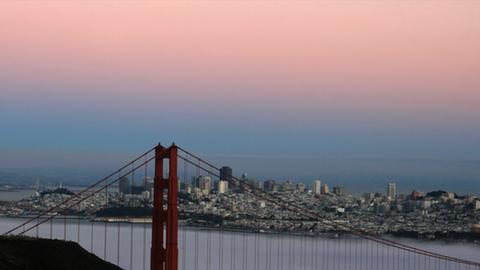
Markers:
{"x": 250, "y": 79}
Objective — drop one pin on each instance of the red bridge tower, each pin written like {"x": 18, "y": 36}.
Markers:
{"x": 164, "y": 252}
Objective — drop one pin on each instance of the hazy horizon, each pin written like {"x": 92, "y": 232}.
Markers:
{"x": 358, "y": 175}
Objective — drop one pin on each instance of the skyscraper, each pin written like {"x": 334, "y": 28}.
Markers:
{"x": 317, "y": 187}
{"x": 269, "y": 185}
{"x": 301, "y": 187}
{"x": 226, "y": 173}
{"x": 222, "y": 187}
{"x": 148, "y": 183}
{"x": 392, "y": 190}
{"x": 124, "y": 186}
{"x": 325, "y": 189}
{"x": 339, "y": 191}
{"x": 205, "y": 184}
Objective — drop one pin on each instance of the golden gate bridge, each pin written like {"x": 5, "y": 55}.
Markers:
{"x": 170, "y": 244}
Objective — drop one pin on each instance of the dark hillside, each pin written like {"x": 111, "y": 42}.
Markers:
{"x": 42, "y": 254}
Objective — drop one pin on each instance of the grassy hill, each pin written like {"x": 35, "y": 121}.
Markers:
{"x": 22, "y": 253}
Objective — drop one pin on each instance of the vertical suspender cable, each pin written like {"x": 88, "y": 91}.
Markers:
{"x": 324, "y": 252}
{"x": 315, "y": 238}
{"x": 91, "y": 237}
{"x": 131, "y": 245}
{"x": 78, "y": 229}
{"x": 314, "y": 251}
{"x": 105, "y": 227}
{"x": 255, "y": 241}
{"x": 367, "y": 254}
{"x": 118, "y": 243}
{"x": 303, "y": 251}
{"x": 350, "y": 247}
{"x": 279, "y": 251}
{"x": 244, "y": 249}
{"x": 234, "y": 245}
{"x": 294, "y": 251}
{"x": 269, "y": 252}
{"x": 345, "y": 240}
{"x": 424, "y": 263}
{"x": 184, "y": 231}
{"x": 289, "y": 251}
{"x": 64, "y": 227}
{"x": 334, "y": 259}
{"x": 118, "y": 233}
{"x": 220, "y": 248}
{"x": 197, "y": 175}
{"x": 145, "y": 178}
{"x": 144, "y": 246}
{"x": 209, "y": 245}
{"x": 209, "y": 249}
{"x": 232, "y": 250}
{"x": 196, "y": 250}
{"x": 372, "y": 250}
{"x": 131, "y": 223}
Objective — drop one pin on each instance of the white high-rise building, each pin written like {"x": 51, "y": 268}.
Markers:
{"x": 392, "y": 190}
{"x": 222, "y": 186}
{"x": 317, "y": 187}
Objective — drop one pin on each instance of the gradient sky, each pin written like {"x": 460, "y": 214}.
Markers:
{"x": 397, "y": 79}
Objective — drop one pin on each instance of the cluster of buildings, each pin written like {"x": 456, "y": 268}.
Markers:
{"x": 204, "y": 184}
{"x": 230, "y": 203}
{"x": 433, "y": 214}
{"x": 128, "y": 188}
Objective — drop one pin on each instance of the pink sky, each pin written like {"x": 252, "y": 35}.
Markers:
{"x": 290, "y": 43}
{"x": 390, "y": 59}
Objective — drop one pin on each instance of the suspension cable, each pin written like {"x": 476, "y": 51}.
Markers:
{"x": 282, "y": 203}
{"x": 77, "y": 195}
{"x": 87, "y": 197}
